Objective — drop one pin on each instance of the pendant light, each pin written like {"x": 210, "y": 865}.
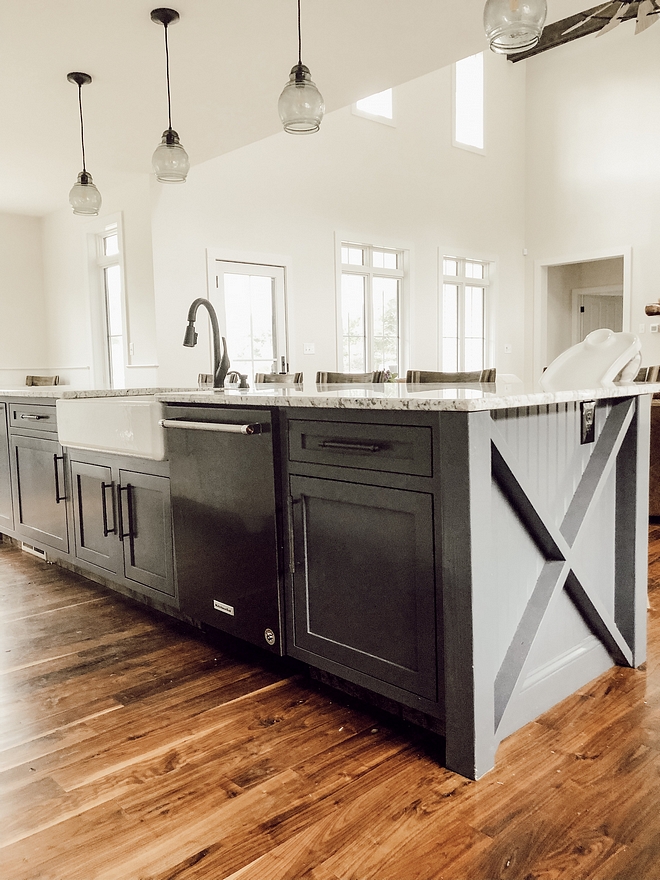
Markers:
{"x": 514, "y": 25}
{"x": 170, "y": 161}
{"x": 84, "y": 197}
{"x": 301, "y": 106}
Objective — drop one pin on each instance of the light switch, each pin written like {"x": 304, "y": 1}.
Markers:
{"x": 653, "y": 328}
{"x": 642, "y": 328}
{"x": 309, "y": 348}
{"x": 508, "y": 348}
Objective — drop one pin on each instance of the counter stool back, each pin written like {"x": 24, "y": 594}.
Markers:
{"x": 42, "y": 380}
{"x": 278, "y": 378}
{"x": 420, "y": 377}
{"x": 377, "y": 377}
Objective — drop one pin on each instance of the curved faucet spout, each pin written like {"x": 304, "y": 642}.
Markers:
{"x": 220, "y": 361}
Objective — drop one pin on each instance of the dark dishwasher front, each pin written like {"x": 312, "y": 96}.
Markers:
{"x": 224, "y": 512}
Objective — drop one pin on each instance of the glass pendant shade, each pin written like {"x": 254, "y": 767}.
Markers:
{"x": 514, "y": 25}
{"x": 84, "y": 197}
{"x": 301, "y": 105}
{"x": 170, "y": 161}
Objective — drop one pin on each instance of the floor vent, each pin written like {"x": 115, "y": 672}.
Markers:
{"x": 35, "y": 551}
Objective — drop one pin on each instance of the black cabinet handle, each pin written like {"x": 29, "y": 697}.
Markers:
{"x": 351, "y": 446}
{"x": 58, "y": 497}
{"x": 104, "y": 507}
{"x": 129, "y": 517}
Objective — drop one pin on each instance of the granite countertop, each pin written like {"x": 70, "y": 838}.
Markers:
{"x": 65, "y": 392}
{"x": 502, "y": 394}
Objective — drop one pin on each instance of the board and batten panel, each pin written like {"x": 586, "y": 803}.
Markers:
{"x": 562, "y": 650}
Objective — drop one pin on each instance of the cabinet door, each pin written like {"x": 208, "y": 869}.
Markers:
{"x": 6, "y": 512}
{"x": 145, "y": 524}
{"x": 38, "y": 483}
{"x": 364, "y": 581}
{"x": 95, "y": 515}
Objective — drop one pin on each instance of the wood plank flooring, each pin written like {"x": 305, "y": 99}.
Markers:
{"x": 133, "y": 749}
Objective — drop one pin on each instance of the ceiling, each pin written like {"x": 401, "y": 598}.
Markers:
{"x": 229, "y": 62}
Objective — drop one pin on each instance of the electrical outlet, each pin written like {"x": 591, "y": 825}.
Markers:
{"x": 309, "y": 348}
{"x": 653, "y": 328}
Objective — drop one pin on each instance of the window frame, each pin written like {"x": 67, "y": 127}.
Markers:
{"x": 461, "y": 280}
{"x": 401, "y": 273}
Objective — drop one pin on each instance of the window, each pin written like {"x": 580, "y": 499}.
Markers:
{"x": 113, "y": 319}
{"x": 250, "y": 301}
{"x": 469, "y": 103}
{"x": 370, "y": 306}
{"x": 379, "y": 107}
{"x": 463, "y": 314}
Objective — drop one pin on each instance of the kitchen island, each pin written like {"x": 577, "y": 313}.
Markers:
{"x": 460, "y": 551}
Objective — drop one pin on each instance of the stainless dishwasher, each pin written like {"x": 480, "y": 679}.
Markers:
{"x": 225, "y": 519}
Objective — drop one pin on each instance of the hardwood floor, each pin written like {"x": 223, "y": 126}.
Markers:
{"x": 132, "y": 749}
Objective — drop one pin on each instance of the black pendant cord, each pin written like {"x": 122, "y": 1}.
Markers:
{"x": 299, "y": 38}
{"x": 82, "y": 129}
{"x": 167, "y": 66}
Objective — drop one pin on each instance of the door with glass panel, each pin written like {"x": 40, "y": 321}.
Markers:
{"x": 251, "y": 304}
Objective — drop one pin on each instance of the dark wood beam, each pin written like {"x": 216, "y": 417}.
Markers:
{"x": 554, "y": 34}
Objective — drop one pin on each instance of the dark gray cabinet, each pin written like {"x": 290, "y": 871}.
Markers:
{"x": 363, "y": 580}
{"x": 362, "y": 598}
{"x": 122, "y": 521}
{"x": 39, "y": 490}
{"x": 6, "y": 510}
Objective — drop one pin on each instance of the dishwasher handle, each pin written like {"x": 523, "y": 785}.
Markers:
{"x": 212, "y": 426}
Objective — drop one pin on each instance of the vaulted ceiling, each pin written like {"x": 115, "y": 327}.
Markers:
{"x": 229, "y": 62}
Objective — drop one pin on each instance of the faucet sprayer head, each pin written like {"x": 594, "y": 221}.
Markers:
{"x": 190, "y": 339}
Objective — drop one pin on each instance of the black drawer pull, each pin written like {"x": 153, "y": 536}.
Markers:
{"x": 58, "y": 497}
{"x": 32, "y": 416}
{"x": 130, "y": 534}
{"x": 104, "y": 508}
{"x": 351, "y": 446}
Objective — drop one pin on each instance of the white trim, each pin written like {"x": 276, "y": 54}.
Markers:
{"x": 540, "y": 296}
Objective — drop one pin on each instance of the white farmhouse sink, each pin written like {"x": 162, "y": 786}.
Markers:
{"x": 127, "y": 425}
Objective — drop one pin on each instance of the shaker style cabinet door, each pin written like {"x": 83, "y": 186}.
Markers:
{"x": 95, "y": 515}
{"x": 39, "y": 491}
{"x": 363, "y": 582}
{"x": 145, "y": 524}
{"x": 6, "y": 512}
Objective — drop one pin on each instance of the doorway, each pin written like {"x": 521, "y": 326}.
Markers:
{"x": 574, "y": 297}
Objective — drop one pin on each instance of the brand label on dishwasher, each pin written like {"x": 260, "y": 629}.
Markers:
{"x": 226, "y": 609}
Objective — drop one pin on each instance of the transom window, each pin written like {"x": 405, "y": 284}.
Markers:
{"x": 463, "y": 314}
{"x": 469, "y": 103}
{"x": 370, "y": 306}
{"x": 379, "y": 107}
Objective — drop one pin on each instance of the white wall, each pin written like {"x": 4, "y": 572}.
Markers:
{"x": 398, "y": 186}
{"x": 23, "y": 325}
{"x": 593, "y": 128}
{"x": 67, "y": 287}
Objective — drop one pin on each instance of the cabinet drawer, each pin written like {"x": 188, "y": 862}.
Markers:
{"x": 33, "y": 416}
{"x": 393, "y": 448}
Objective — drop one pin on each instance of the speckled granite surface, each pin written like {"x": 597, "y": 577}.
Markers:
{"x": 399, "y": 396}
